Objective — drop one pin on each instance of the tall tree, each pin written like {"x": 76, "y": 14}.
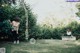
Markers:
{"x": 78, "y": 7}
{"x": 7, "y": 1}
{"x": 22, "y": 3}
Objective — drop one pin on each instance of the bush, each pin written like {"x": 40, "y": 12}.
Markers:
{"x": 47, "y": 33}
{"x": 8, "y": 13}
{"x": 56, "y": 33}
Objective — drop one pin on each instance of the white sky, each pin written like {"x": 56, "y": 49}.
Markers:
{"x": 58, "y": 8}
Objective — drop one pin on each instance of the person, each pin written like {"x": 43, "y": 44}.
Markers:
{"x": 69, "y": 33}
{"x": 15, "y": 27}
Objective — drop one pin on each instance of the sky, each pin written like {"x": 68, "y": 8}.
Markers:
{"x": 58, "y": 8}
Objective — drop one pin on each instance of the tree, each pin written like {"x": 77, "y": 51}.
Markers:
{"x": 26, "y": 8}
{"x": 32, "y": 28}
{"x": 8, "y": 12}
{"x": 78, "y": 7}
{"x": 7, "y": 2}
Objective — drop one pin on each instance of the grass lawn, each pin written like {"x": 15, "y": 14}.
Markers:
{"x": 42, "y": 46}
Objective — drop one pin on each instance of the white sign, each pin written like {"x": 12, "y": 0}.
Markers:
{"x": 2, "y": 50}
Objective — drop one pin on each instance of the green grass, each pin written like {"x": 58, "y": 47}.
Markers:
{"x": 42, "y": 46}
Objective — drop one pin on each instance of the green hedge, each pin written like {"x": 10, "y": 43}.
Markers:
{"x": 56, "y": 33}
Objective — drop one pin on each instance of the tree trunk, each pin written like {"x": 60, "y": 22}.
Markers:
{"x": 22, "y": 3}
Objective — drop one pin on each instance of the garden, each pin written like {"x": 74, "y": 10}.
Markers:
{"x": 48, "y": 39}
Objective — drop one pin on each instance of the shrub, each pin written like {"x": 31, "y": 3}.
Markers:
{"x": 8, "y": 13}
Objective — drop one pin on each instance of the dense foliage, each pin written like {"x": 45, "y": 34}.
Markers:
{"x": 46, "y": 32}
{"x": 8, "y": 13}
{"x": 7, "y": 2}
